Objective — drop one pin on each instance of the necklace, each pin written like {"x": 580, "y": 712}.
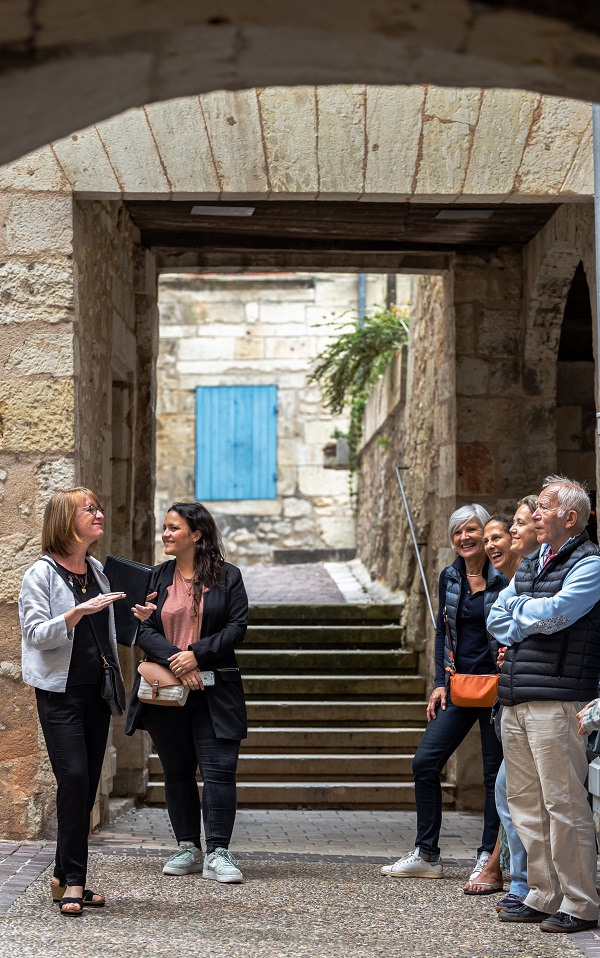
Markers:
{"x": 188, "y": 584}
{"x": 81, "y": 580}
{"x": 474, "y": 575}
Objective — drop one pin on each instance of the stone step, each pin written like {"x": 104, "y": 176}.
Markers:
{"x": 302, "y": 739}
{"x": 292, "y": 661}
{"x": 398, "y": 796}
{"x": 325, "y": 636}
{"x": 331, "y": 614}
{"x": 296, "y": 767}
{"x": 319, "y": 687}
{"x": 368, "y": 714}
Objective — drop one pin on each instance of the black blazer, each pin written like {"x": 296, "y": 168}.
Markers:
{"x": 224, "y": 621}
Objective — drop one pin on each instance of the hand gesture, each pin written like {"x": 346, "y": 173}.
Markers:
{"x": 100, "y": 602}
{"x": 143, "y": 612}
{"x": 436, "y": 699}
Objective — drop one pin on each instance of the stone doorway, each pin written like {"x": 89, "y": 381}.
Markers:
{"x": 89, "y": 220}
{"x": 575, "y": 399}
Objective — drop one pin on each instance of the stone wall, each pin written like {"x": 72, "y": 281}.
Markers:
{"x": 116, "y": 343}
{"x": 257, "y": 330}
{"x": 38, "y": 454}
{"x": 419, "y": 436}
{"x": 74, "y": 297}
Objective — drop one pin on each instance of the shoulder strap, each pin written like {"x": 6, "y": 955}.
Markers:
{"x": 61, "y": 573}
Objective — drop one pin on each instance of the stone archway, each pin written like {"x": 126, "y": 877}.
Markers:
{"x": 560, "y": 273}
{"x": 575, "y": 395}
{"x": 65, "y": 65}
{"x": 78, "y": 283}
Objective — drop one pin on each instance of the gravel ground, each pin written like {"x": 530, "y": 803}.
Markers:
{"x": 285, "y": 908}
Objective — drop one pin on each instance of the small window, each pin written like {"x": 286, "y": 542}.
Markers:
{"x": 236, "y": 442}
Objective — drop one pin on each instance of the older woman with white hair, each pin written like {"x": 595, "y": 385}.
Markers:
{"x": 467, "y": 590}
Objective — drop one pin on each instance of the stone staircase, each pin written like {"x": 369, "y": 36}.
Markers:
{"x": 336, "y": 710}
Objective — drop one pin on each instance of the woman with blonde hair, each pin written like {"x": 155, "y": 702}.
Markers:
{"x": 68, "y": 643}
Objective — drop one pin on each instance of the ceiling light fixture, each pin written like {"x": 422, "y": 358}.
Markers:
{"x": 222, "y": 210}
{"x": 457, "y": 214}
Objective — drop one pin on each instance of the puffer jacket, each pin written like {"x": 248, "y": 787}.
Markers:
{"x": 563, "y": 666}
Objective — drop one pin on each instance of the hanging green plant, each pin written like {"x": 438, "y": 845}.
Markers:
{"x": 348, "y": 368}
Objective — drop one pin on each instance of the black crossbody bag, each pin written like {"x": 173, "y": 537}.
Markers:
{"x": 112, "y": 689}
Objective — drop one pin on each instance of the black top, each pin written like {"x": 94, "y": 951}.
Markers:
{"x": 86, "y": 664}
{"x": 473, "y": 654}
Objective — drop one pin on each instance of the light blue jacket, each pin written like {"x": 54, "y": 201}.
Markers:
{"x": 46, "y": 645}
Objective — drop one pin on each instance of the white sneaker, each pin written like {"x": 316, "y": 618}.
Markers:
{"x": 185, "y": 861}
{"x": 413, "y": 866}
{"x": 221, "y": 866}
{"x": 482, "y": 860}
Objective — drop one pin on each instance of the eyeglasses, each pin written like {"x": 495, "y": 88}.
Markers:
{"x": 93, "y": 510}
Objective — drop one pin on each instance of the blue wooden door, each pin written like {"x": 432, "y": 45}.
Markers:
{"x": 236, "y": 442}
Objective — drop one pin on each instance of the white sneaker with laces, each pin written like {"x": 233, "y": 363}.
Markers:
{"x": 413, "y": 866}
{"x": 221, "y": 866}
{"x": 185, "y": 861}
{"x": 482, "y": 860}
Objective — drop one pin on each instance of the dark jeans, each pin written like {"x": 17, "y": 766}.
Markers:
{"x": 441, "y": 739}
{"x": 185, "y": 741}
{"x": 75, "y": 725}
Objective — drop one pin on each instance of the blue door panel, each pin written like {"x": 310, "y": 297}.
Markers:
{"x": 236, "y": 442}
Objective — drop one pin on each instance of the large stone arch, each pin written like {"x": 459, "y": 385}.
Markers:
{"x": 66, "y": 65}
{"x": 365, "y": 143}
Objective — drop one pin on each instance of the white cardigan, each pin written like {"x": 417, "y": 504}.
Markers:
{"x": 46, "y": 645}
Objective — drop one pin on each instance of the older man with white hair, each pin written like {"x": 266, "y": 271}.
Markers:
{"x": 549, "y": 617}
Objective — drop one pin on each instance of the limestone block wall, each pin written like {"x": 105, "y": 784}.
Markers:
{"x": 421, "y": 434}
{"x": 75, "y": 297}
{"x": 38, "y": 454}
{"x": 116, "y": 340}
{"x": 257, "y": 330}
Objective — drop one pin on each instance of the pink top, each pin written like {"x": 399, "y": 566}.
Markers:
{"x": 181, "y": 625}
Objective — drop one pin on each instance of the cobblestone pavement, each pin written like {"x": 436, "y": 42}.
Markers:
{"x": 312, "y": 890}
{"x": 305, "y": 583}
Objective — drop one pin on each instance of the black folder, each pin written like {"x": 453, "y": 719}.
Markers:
{"x": 134, "y": 579}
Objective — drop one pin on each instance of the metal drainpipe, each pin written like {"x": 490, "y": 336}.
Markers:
{"x": 594, "y": 768}
{"x": 596, "y": 132}
{"x": 362, "y": 297}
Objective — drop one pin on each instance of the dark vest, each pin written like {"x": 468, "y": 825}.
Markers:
{"x": 454, "y": 583}
{"x": 563, "y": 666}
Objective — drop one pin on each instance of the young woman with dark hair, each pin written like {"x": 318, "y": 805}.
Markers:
{"x": 201, "y": 617}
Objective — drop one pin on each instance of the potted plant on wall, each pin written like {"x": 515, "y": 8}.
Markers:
{"x": 350, "y": 366}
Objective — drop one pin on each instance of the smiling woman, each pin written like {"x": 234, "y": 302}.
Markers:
{"x": 68, "y": 639}
{"x": 497, "y": 541}
{"x": 200, "y": 619}
{"x": 467, "y": 589}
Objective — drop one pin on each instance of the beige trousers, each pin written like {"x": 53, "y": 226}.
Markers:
{"x": 546, "y": 770}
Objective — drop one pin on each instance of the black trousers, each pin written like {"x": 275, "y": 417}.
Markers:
{"x": 442, "y": 737}
{"x": 75, "y": 724}
{"x": 185, "y": 741}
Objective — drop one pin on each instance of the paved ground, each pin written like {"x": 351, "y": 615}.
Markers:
{"x": 312, "y": 890}
{"x": 291, "y": 583}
